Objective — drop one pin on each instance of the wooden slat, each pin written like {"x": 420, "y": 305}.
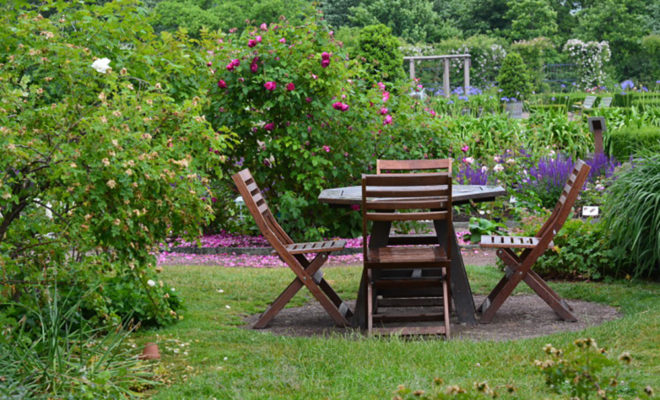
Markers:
{"x": 407, "y": 255}
{"x": 411, "y": 301}
{"x": 420, "y": 179}
{"x": 403, "y": 191}
{"x": 407, "y": 283}
{"x": 413, "y": 165}
{"x": 411, "y": 216}
{"x": 408, "y": 317}
{"x": 409, "y": 203}
{"x": 316, "y": 247}
{"x": 410, "y": 330}
{"x": 519, "y": 242}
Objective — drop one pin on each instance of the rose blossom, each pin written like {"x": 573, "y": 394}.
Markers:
{"x": 387, "y": 120}
{"x": 340, "y": 106}
{"x": 270, "y": 85}
{"x": 269, "y": 126}
{"x": 290, "y": 87}
{"x": 384, "y": 111}
{"x": 222, "y": 84}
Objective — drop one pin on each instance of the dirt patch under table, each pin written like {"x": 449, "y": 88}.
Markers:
{"x": 521, "y": 316}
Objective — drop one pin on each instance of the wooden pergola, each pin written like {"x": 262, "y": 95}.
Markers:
{"x": 446, "y": 59}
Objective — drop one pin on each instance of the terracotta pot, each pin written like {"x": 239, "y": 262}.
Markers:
{"x": 150, "y": 352}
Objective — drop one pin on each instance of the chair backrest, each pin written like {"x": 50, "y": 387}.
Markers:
{"x": 443, "y": 164}
{"x": 256, "y": 204}
{"x": 589, "y": 101}
{"x": 605, "y": 102}
{"x": 406, "y": 197}
{"x": 569, "y": 194}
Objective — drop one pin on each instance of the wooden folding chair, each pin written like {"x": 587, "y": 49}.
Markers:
{"x": 519, "y": 267}
{"x": 406, "y": 197}
{"x": 308, "y": 273}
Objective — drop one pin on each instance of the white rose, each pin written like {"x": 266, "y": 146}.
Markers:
{"x": 101, "y": 65}
{"x": 151, "y": 283}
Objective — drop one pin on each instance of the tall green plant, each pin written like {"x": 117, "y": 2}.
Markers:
{"x": 632, "y": 216}
{"x": 514, "y": 79}
{"x": 379, "y": 51}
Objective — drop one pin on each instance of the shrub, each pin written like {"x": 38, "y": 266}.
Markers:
{"x": 379, "y": 50}
{"x": 66, "y": 358}
{"x": 582, "y": 250}
{"x": 586, "y": 371}
{"x": 626, "y": 142}
{"x": 533, "y": 53}
{"x": 514, "y": 79}
{"x": 302, "y": 115}
{"x": 590, "y": 58}
{"x": 632, "y": 217}
{"x": 97, "y": 166}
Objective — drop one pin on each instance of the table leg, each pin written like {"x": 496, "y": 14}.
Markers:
{"x": 380, "y": 233}
{"x": 460, "y": 287}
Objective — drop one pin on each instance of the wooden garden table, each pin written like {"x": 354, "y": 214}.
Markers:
{"x": 460, "y": 287}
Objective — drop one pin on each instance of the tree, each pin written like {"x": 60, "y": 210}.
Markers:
{"x": 380, "y": 51}
{"x": 336, "y": 12}
{"x": 531, "y": 19}
{"x": 514, "y": 77}
{"x": 412, "y": 20}
{"x": 620, "y": 23}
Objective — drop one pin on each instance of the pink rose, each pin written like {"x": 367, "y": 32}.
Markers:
{"x": 387, "y": 120}
{"x": 254, "y": 67}
{"x": 258, "y": 39}
{"x": 222, "y": 84}
{"x": 308, "y": 99}
{"x": 381, "y": 85}
{"x": 325, "y": 55}
{"x": 282, "y": 40}
{"x": 264, "y": 27}
{"x": 326, "y": 148}
{"x": 270, "y": 85}
{"x": 325, "y": 63}
{"x": 252, "y": 43}
{"x": 290, "y": 87}
{"x": 386, "y": 96}
{"x": 208, "y": 64}
{"x": 384, "y": 111}
{"x": 269, "y": 126}
{"x": 233, "y": 64}
{"x": 465, "y": 148}
{"x": 340, "y": 106}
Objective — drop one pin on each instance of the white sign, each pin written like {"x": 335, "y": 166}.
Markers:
{"x": 589, "y": 211}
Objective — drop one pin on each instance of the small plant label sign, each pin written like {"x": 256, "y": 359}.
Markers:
{"x": 590, "y": 211}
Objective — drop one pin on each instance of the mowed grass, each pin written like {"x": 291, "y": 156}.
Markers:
{"x": 209, "y": 354}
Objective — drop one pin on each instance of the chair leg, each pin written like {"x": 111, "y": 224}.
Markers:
{"x": 277, "y": 305}
{"x": 558, "y": 305}
{"x": 489, "y": 310}
{"x": 447, "y": 306}
{"x": 369, "y": 296}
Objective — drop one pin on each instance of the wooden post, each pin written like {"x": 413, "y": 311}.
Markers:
{"x": 445, "y": 77}
{"x": 412, "y": 69}
{"x": 466, "y": 74}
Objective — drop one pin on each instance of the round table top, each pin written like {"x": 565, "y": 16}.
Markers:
{"x": 350, "y": 195}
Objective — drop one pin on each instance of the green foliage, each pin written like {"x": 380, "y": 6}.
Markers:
{"x": 582, "y": 250}
{"x": 585, "y": 371}
{"x": 482, "y": 226}
{"x": 632, "y": 216}
{"x": 195, "y": 16}
{"x": 65, "y": 358}
{"x": 379, "y": 51}
{"x": 626, "y": 142}
{"x": 295, "y": 138}
{"x": 534, "y": 53}
{"x": 514, "y": 79}
{"x": 620, "y": 24}
{"x": 97, "y": 166}
{"x": 411, "y": 20}
{"x": 531, "y": 19}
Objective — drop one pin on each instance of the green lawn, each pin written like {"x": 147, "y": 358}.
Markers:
{"x": 209, "y": 355}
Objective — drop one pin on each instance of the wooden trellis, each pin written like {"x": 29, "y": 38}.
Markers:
{"x": 446, "y": 59}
